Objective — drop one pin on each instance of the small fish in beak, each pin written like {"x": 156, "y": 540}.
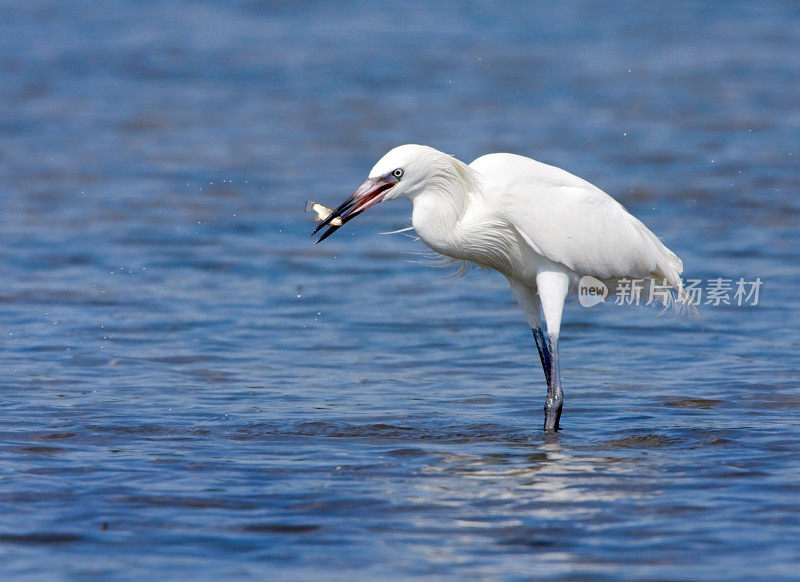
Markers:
{"x": 368, "y": 194}
{"x": 323, "y": 212}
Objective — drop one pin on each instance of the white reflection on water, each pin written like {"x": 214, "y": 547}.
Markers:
{"x": 525, "y": 503}
{"x": 551, "y": 472}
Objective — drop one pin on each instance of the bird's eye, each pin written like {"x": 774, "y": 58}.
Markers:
{"x": 398, "y": 173}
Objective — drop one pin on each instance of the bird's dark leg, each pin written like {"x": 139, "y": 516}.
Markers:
{"x": 552, "y": 291}
{"x": 544, "y": 352}
{"x": 552, "y": 286}
{"x": 555, "y": 395}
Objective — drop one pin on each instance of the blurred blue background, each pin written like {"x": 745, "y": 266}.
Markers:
{"x": 193, "y": 388}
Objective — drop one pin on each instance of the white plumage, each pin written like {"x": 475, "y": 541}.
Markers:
{"x": 540, "y": 226}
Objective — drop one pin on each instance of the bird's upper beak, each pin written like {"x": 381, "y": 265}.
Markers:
{"x": 368, "y": 194}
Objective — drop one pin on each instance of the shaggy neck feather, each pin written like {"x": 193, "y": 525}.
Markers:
{"x": 440, "y": 207}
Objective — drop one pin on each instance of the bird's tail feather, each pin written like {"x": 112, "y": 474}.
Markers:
{"x": 657, "y": 288}
{"x": 669, "y": 268}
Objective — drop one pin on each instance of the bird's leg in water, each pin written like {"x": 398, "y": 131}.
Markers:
{"x": 555, "y": 396}
{"x": 544, "y": 352}
{"x": 553, "y": 285}
{"x": 529, "y": 302}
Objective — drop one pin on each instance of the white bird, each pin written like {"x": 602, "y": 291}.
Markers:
{"x": 540, "y": 226}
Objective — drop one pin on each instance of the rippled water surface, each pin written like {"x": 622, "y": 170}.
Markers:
{"x": 192, "y": 389}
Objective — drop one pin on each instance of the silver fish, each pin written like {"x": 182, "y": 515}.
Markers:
{"x": 323, "y": 212}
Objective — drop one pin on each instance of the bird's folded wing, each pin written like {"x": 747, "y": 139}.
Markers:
{"x": 585, "y": 230}
{"x": 570, "y": 221}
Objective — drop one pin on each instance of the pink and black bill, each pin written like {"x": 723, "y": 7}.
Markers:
{"x": 368, "y": 194}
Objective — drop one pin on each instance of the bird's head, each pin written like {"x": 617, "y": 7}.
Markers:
{"x": 404, "y": 172}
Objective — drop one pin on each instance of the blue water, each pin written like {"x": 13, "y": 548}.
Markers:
{"x": 193, "y": 390}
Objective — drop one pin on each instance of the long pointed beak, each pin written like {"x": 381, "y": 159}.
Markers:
{"x": 368, "y": 194}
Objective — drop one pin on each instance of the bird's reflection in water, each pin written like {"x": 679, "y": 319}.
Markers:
{"x": 529, "y": 500}
{"x": 548, "y": 469}
{"x": 544, "y": 480}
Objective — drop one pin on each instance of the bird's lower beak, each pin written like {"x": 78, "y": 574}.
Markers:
{"x": 368, "y": 194}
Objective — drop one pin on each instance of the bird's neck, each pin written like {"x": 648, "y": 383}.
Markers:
{"x": 441, "y": 206}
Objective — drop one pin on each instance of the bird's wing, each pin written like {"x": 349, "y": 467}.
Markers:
{"x": 572, "y": 222}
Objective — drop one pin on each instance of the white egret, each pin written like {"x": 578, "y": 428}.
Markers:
{"x": 540, "y": 226}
